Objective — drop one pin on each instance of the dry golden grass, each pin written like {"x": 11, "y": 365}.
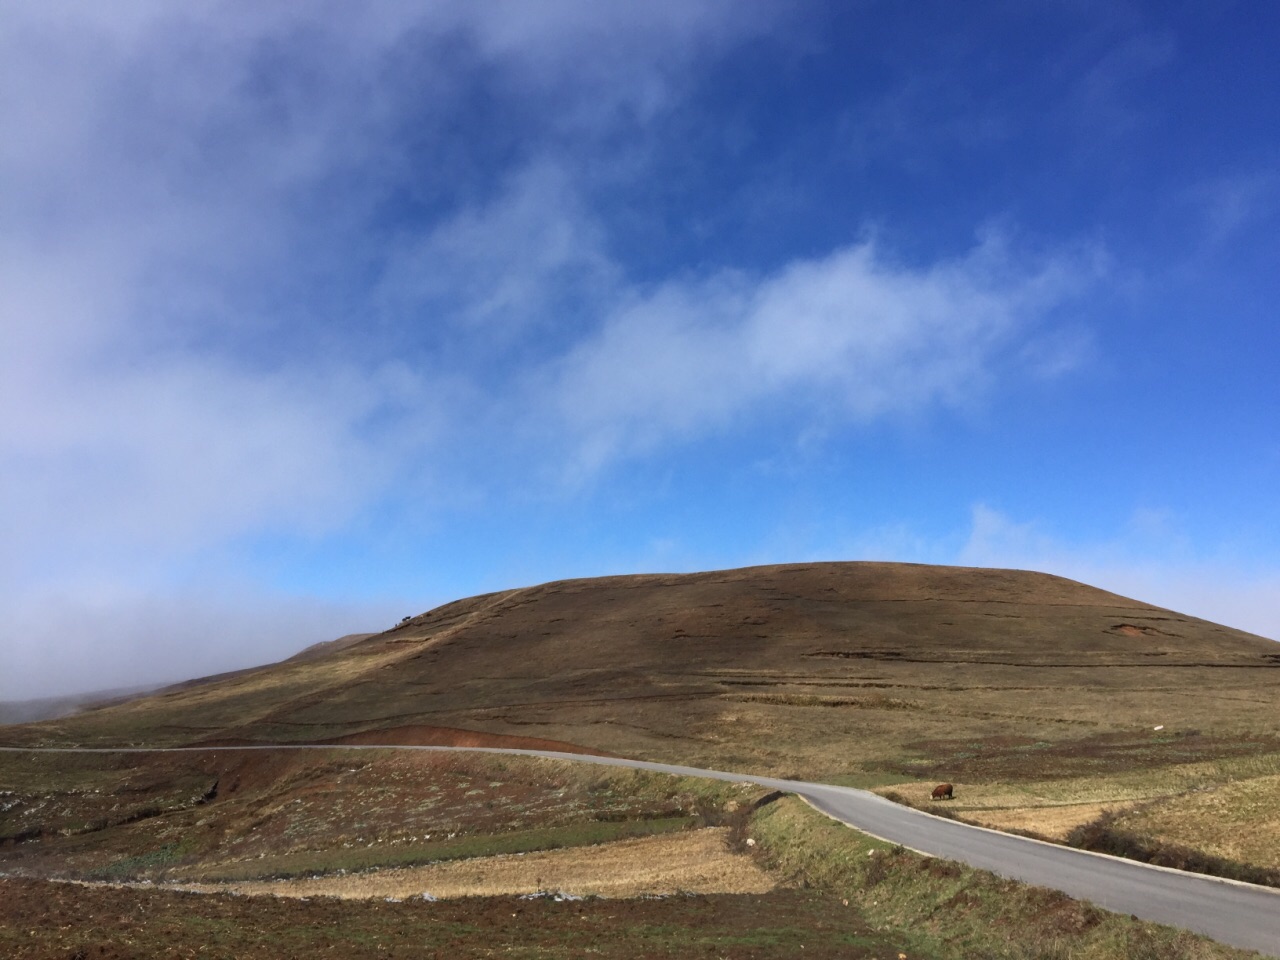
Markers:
{"x": 1227, "y": 808}
{"x": 696, "y": 861}
{"x": 1004, "y": 808}
{"x": 1053, "y": 823}
{"x": 1050, "y": 809}
{"x": 1237, "y": 821}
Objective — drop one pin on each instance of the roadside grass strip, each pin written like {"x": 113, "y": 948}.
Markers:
{"x": 948, "y": 910}
{"x": 691, "y": 862}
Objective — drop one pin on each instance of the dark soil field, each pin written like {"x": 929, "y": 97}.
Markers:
{"x": 62, "y": 921}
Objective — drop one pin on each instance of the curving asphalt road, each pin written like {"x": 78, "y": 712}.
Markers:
{"x": 1238, "y": 914}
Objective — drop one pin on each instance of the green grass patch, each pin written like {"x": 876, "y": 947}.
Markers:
{"x": 128, "y": 868}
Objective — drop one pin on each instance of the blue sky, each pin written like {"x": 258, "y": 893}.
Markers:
{"x": 319, "y": 315}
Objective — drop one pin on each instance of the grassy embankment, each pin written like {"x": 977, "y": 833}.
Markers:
{"x": 946, "y": 910}
{"x": 315, "y": 863}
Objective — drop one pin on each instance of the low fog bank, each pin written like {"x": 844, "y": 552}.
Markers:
{"x": 76, "y": 648}
{"x": 50, "y": 708}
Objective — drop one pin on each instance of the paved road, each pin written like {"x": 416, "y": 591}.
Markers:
{"x": 1238, "y": 914}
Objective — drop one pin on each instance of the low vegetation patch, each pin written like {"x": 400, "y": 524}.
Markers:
{"x": 278, "y": 815}
{"x": 690, "y": 862}
{"x": 311, "y": 863}
{"x": 1014, "y": 759}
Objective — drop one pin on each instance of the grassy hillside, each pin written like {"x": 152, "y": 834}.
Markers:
{"x": 816, "y": 669}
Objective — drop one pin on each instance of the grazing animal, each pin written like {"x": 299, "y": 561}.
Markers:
{"x": 943, "y": 791}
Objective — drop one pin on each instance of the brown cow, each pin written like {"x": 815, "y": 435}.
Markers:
{"x": 943, "y": 791}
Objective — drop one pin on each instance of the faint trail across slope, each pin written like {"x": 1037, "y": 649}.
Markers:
{"x": 1234, "y": 913}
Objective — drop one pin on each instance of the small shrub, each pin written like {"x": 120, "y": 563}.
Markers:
{"x": 877, "y": 869}
{"x": 941, "y": 868}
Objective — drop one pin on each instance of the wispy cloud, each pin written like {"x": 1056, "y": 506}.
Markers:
{"x": 524, "y": 262}
{"x": 1106, "y": 95}
{"x": 851, "y": 334}
{"x": 1232, "y": 203}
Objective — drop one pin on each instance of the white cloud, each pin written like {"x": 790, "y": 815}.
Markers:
{"x": 182, "y": 454}
{"x": 851, "y": 333}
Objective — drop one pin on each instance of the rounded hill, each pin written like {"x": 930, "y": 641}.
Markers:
{"x": 774, "y": 667}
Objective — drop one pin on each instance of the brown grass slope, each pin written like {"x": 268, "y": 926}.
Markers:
{"x": 817, "y": 668}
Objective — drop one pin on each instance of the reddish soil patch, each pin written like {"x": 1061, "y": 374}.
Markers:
{"x": 1129, "y": 630}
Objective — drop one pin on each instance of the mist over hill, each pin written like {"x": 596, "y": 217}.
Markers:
{"x": 49, "y": 708}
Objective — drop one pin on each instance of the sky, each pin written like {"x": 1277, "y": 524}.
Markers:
{"x": 316, "y": 315}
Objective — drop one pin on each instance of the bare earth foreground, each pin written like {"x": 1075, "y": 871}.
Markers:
{"x": 43, "y": 921}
